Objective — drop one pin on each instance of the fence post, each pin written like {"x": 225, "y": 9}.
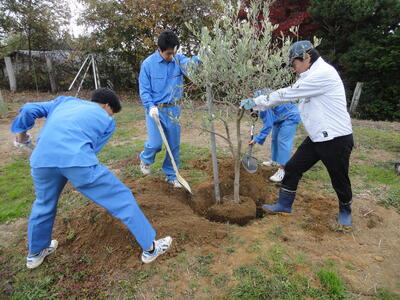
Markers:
{"x": 3, "y": 108}
{"x": 51, "y": 75}
{"x": 356, "y": 97}
{"x": 11, "y": 74}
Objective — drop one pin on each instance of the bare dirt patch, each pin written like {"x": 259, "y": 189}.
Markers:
{"x": 7, "y": 151}
{"x": 175, "y": 212}
{"x": 376, "y": 124}
{"x": 165, "y": 207}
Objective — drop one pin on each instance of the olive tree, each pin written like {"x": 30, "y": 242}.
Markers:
{"x": 237, "y": 58}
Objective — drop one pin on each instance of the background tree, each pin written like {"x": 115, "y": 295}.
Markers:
{"x": 126, "y": 31}
{"x": 286, "y": 14}
{"x": 40, "y": 23}
{"x": 237, "y": 59}
{"x": 33, "y": 25}
{"x": 361, "y": 39}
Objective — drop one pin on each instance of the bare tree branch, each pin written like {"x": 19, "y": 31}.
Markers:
{"x": 227, "y": 140}
{"x": 228, "y": 135}
{"x": 226, "y": 103}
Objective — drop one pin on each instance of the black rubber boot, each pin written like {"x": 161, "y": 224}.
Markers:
{"x": 344, "y": 218}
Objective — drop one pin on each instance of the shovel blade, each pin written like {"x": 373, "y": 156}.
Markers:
{"x": 165, "y": 141}
{"x": 250, "y": 163}
{"x": 184, "y": 183}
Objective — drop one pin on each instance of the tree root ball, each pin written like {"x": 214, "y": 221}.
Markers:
{"x": 237, "y": 213}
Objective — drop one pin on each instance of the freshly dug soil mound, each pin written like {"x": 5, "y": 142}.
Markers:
{"x": 255, "y": 190}
{"x": 94, "y": 232}
{"x": 238, "y": 213}
{"x": 255, "y": 186}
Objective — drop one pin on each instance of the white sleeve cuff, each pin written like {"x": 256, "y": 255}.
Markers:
{"x": 262, "y": 102}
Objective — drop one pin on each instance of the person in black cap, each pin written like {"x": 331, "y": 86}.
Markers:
{"x": 323, "y": 110}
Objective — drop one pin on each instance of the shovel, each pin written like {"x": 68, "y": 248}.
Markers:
{"x": 178, "y": 176}
{"x": 250, "y": 163}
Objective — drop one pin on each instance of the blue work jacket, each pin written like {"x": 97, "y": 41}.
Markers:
{"x": 160, "y": 81}
{"x": 74, "y": 132}
{"x": 287, "y": 112}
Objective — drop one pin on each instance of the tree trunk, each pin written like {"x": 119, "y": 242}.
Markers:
{"x": 236, "y": 184}
{"x": 213, "y": 147}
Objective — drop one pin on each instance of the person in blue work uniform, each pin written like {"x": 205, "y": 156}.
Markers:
{"x": 283, "y": 120}
{"x": 75, "y": 131}
{"x": 160, "y": 86}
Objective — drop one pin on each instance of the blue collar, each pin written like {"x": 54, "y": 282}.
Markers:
{"x": 159, "y": 58}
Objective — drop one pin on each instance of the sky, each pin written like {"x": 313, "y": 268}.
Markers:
{"x": 76, "y": 9}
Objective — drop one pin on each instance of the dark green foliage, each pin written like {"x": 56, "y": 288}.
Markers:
{"x": 362, "y": 40}
{"x": 32, "y": 25}
{"x": 125, "y": 32}
{"x": 38, "y": 23}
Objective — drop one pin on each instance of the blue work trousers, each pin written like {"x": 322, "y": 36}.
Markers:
{"x": 282, "y": 141}
{"x": 99, "y": 185}
{"x": 169, "y": 119}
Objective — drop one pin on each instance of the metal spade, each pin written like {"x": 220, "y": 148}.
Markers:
{"x": 250, "y": 163}
{"x": 181, "y": 180}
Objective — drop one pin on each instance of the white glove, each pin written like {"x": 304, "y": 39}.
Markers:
{"x": 27, "y": 145}
{"x": 262, "y": 103}
{"x": 153, "y": 111}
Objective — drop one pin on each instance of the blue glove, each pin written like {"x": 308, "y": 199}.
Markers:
{"x": 247, "y": 103}
{"x": 265, "y": 91}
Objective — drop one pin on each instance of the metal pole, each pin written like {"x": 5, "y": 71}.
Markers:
{"x": 94, "y": 73}
{"x": 213, "y": 146}
{"x": 98, "y": 76}
{"x": 84, "y": 75}
{"x": 72, "y": 84}
{"x": 97, "y": 73}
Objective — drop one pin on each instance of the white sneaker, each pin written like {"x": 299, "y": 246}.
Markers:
{"x": 269, "y": 163}
{"x": 278, "y": 176}
{"x": 35, "y": 260}
{"x": 160, "y": 247}
{"x": 175, "y": 183}
{"x": 145, "y": 168}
